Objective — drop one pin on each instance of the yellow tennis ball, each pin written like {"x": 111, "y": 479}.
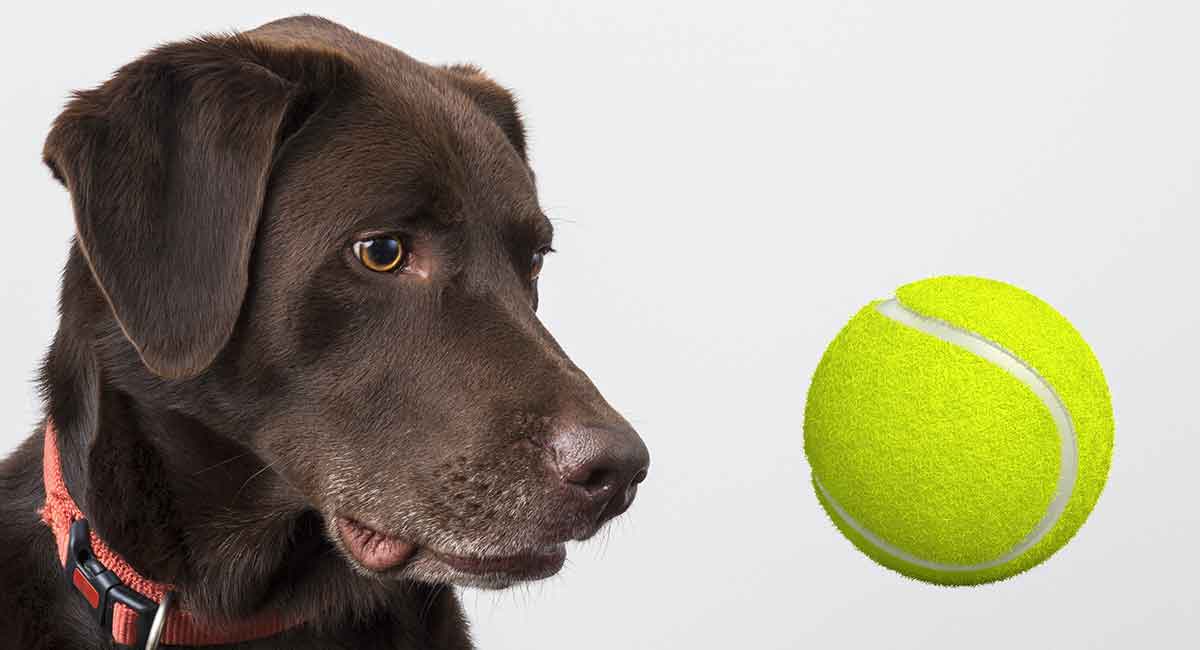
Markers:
{"x": 959, "y": 433}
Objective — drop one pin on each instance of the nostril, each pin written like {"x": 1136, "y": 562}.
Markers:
{"x": 639, "y": 477}
{"x": 595, "y": 480}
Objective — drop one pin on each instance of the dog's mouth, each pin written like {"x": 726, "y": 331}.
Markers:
{"x": 384, "y": 554}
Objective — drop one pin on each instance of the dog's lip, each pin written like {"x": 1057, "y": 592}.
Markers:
{"x": 373, "y": 549}
{"x": 383, "y": 553}
{"x": 537, "y": 562}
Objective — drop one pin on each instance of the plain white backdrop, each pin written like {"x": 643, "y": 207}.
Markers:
{"x": 731, "y": 181}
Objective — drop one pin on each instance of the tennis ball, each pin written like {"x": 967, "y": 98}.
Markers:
{"x": 959, "y": 433}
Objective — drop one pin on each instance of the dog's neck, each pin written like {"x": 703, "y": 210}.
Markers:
{"x": 189, "y": 505}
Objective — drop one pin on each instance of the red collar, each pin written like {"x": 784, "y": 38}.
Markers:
{"x": 123, "y": 600}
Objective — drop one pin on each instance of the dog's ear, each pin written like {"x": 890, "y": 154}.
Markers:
{"x": 493, "y": 99}
{"x": 167, "y": 164}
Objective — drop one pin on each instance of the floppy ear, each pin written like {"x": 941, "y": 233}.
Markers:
{"x": 167, "y": 165}
{"x": 491, "y": 98}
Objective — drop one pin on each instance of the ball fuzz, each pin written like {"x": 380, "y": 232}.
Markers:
{"x": 959, "y": 433}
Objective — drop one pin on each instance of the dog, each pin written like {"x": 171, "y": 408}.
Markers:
{"x": 299, "y": 390}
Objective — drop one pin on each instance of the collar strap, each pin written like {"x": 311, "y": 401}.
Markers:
{"x": 124, "y": 602}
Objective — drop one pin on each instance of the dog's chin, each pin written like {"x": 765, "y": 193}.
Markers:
{"x": 487, "y": 572}
{"x": 383, "y": 556}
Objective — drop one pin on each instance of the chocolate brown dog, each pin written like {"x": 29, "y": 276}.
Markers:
{"x": 298, "y": 367}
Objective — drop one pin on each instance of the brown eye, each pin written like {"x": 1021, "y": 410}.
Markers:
{"x": 539, "y": 258}
{"x": 380, "y": 254}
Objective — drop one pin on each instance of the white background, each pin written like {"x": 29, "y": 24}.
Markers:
{"x": 731, "y": 182}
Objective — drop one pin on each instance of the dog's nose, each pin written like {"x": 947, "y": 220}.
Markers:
{"x": 604, "y": 464}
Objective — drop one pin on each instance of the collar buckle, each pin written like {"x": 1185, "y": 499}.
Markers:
{"x": 102, "y": 589}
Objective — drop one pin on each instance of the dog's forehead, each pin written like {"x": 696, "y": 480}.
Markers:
{"x": 387, "y": 71}
{"x": 373, "y": 57}
{"x": 421, "y": 123}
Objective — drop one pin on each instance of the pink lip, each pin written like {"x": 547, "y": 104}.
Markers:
{"x": 373, "y": 549}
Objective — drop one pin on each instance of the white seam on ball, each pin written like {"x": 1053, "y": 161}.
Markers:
{"x": 1013, "y": 365}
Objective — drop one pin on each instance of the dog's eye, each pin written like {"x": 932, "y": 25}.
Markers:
{"x": 380, "y": 254}
{"x": 539, "y": 258}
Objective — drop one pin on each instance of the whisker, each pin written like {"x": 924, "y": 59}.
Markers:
{"x": 252, "y": 477}
{"x": 224, "y": 462}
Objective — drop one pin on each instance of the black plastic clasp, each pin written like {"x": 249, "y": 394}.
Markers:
{"x": 102, "y": 588}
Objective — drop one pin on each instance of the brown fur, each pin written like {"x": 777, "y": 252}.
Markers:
{"x": 226, "y": 377}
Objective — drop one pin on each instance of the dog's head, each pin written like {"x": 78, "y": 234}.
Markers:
{"x": 330, "y": 252}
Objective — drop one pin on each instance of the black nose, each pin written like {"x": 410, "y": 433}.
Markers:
{"x": 602, "y": 464}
